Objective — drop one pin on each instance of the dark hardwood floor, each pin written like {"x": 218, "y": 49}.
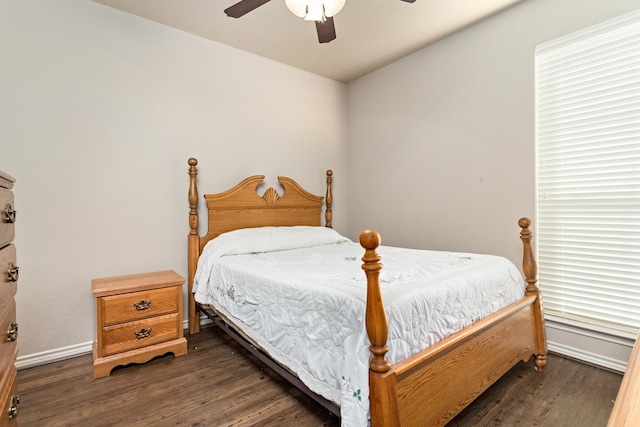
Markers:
{"x": 219, "y": 384}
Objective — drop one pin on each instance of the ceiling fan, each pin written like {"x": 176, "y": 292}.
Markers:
{"x": 320, "y": 11}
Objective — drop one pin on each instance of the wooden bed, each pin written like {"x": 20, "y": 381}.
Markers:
{"x": 426, "y": 389}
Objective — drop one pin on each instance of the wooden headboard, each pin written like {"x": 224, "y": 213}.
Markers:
{"x": 242, "y": 207}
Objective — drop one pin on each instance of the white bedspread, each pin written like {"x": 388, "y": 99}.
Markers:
{"x": 306, "y": 306}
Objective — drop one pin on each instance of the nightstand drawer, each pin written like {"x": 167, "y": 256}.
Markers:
{"x": 133, "y": 335}
{"x": 7, "y": 217}
{"x": 139, "y": 305}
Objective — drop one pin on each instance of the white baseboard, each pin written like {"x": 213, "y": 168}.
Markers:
{"x": 55, "y": 355}
{"x": 596, "y": 348}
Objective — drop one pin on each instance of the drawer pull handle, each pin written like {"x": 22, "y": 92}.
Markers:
{"x": 14, "y": 406}
{"x": 13, "y": 272}
{"x": 10, "y": 214}
{"x": 143, "y": 333}
{"x": 12, "y": 333}
{"x": 143, "y": 304}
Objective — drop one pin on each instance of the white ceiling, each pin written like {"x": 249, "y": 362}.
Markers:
{"x": 370, "y": 33}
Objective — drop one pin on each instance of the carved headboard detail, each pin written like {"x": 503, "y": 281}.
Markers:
{"x": 242, "y": 207}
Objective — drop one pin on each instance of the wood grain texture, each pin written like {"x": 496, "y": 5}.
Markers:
{"x": 139, "y": 317}
{"x": 432, "y": 386}
{"x": 103, "y": 365}
{"x": 437, "y": 388}
{"x": 219, "y": 384}
{"x": 121, "y": 338}
{"x": 118, "y": 285}
{"x": 154, "y": 302}
{"x": 626, "y": 412}
{"x": 9, "y": 275}
{"x": 241, "y": 207}
{"x": 193, "y": 246}
{"x": 8, "y": 288}
{"x": 10, "y": 378}
{"x": 7, "y": 228}
{"x": 430, "y": 392}
{"x": 7, "y": 347}
{"x": 566, "y": 394}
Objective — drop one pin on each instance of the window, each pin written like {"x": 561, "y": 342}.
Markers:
{"x": 588, "y": 175}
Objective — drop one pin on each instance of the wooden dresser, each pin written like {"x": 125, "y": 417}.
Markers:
{"x": 626, "y": 410}
{"x": 9, "y": 398}
{"x": 139, "y": 317}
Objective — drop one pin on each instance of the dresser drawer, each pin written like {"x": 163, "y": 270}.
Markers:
{"x": 139, "y": 305}
{"x": 7, "y": 217}
{"x": 9, "y": 399}
{"x": 8, "y": 287}
{"x": 8, "y": 337}
{"x": 133, "y": 335}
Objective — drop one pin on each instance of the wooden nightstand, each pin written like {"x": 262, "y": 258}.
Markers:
{"x": 139, "y": 317}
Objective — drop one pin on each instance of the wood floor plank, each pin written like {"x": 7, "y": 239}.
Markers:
{"x": 219, "y": 384}
{"x": 566, "y": 394}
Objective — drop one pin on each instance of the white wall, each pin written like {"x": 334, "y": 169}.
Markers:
{"x": 99, "y": 112}
{"x": 441, "y": 143}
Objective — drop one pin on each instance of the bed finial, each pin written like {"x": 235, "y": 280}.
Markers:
{"x": 376, "y": 318}
{"x": 529, "y": 265}
{"x": 328, "y": 200}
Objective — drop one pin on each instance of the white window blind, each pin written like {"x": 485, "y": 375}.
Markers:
{"x": 588, "y": 175}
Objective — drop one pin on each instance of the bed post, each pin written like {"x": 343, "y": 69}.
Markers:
{"x": 193, "y": 245}
{"x": 382, "y": 385}
{"x": 328, "y": 200}
{"x": 530, "y": 269}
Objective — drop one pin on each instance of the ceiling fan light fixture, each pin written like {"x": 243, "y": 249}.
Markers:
{"x": 315, "y": 10}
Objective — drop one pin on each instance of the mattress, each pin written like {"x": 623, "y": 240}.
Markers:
{"x": 300, "y": 294}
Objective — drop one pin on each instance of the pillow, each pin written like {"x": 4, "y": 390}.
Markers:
{"x": 271, "y": 239}
{"x": 263, "y": 239}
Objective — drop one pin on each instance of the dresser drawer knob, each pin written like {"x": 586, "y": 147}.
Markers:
{"x": 143, "y": 304}
{"x": 12, "y": 333}
{"x": 14, "y": 406}
{"x": 10, "y": 214}
{"x": 13, "y": 272}
{"x": 142, "y": 333}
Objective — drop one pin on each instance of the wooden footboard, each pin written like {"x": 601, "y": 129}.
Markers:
{"x": 434, "y": 385}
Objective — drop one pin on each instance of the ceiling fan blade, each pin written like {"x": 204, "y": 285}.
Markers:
{"x": 243, "y": 7}
{"x": 410, "y": 1}
{"x": 326, "y": 30}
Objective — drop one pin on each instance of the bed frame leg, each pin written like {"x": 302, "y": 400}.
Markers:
{"x": 540, "y": 361}
{"x": 530, "y": 269}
